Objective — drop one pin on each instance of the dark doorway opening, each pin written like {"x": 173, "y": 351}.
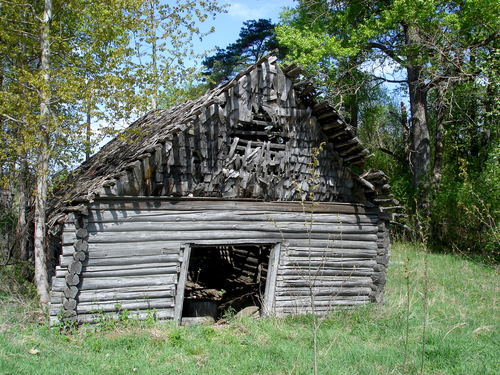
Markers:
{"x": 224, "y": 279}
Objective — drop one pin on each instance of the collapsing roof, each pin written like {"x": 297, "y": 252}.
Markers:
{"x": 203, "y": 200}
{"x": 236, "y": 141}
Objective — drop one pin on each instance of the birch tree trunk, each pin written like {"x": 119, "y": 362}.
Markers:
{"x": 41, "y": 277}
{"x": 154, "y": 99}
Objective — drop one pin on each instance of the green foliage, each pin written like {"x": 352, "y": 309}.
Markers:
{"x": 471, "y": 227}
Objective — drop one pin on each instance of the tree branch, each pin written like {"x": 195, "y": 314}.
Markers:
{"x": 387, "y": 51}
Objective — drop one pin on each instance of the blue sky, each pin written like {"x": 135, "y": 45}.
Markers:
{"x": 228, "y": 25}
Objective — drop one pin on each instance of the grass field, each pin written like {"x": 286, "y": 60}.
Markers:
{"x": 462, "y": 334}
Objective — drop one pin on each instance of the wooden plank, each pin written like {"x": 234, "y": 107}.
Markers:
{"x": 269, "y": 294}
{"x": 179, "y": 298}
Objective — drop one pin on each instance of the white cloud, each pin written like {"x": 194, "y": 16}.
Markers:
{"x": 253, "y": 10}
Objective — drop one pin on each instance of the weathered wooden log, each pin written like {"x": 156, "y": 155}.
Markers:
{"x": 75, "y": 268}
{"x": 123, "y": 267}
{"x": 266, "y": 226}
{"x": 272, "y": 236}
{"x": 118, "y": 250}
{"x": 348, "y": 282}
{"x": 330, "y": 253}
{"x": 69, "y": 303}
{"x": 56, "y": 298}
{"x": 79, "y": 256}
{"x": 70, "y": 292}
{"x": 233, "y": 215}
{"x": 320, "y": 292}
{"x": 124, "y": 282}
{"x": 330, "y": 245}
{"x": 346, "y": 272}
{"x": 207, "y": 204}
{"x": 90, "y": 307}
{"x": 81, "y": 245}
{"x": 72, "y": 279}
{"x": 344, "y": 300}
{"x": 166, "y": 313}
{"x": 119, "y": 294}
{"x": 81, "y": 233}
{"x": 133, "y": 272}
{"x": 325, "y": 263}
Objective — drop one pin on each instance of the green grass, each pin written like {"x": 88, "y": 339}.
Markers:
{"x": 462, "y": 334}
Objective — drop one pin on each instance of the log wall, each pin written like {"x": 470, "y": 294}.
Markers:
{"x": 127, "y": 253}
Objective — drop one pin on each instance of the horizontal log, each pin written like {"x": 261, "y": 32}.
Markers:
{"x": 298, "y": 252}
{"x": 301, "y": 282}
{"x": 136, "y": 293}
{"x": 345, "y": 272}
{"x": 334, "y": 246}
{"x": 323, "y": 263}
{"x": 56, "y": 309}
{"x": 167, "y": 313}
{"x": 90, "y": 307}
{"x": 132, "y": 272}
{"x": 124, "y": 282}
{"x": 265, "y": 226}
{"x": 124, "y": 237}
{"x": 324, "y": 303}
{"x": 331, "y": 292}
{"x": 56, "y": 298}
{"x": 58, "y": 284}
{"x": 235, "y": 215}
{"x": 214, "y": 204}
{"x": 132, "y": 249}
{"x": 113, "y": 267}
{"x": 123, "y": 259}
{"x": 318, "y": 310}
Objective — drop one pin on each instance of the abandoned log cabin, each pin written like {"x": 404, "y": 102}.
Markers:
{"x": 242, "y": 197}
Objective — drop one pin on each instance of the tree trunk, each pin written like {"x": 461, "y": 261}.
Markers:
{"x": 21, "y": 220}
{"x": 41, "y": 277}
{"x": 420, "y": 152}
{"x": 439, "y": 136}
{"x": 154, "y": 99}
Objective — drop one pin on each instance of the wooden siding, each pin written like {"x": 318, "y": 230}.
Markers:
{"x": 127, "y": 253}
